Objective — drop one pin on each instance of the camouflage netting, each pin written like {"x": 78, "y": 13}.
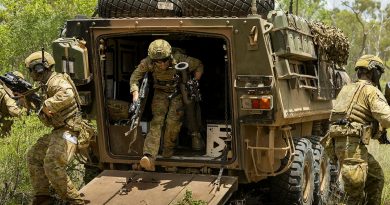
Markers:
{"x": 331, "y": 41}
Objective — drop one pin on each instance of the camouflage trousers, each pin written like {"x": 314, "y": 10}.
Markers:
{"x": 47, "y": 161}
{"x": 165, "y": 111}
{"x": 361, "y": 174}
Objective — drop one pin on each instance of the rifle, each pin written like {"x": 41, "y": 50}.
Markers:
{"x": 136, "y": 110}
{"x": 19, "y": 85}
{"x": 383, "y": 137}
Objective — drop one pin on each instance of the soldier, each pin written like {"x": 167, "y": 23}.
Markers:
{"x": 48, "y": 158}
{"x": 161, "y": 62}
{"x": 358, "y": 110}
{"x": 8, "y": 107}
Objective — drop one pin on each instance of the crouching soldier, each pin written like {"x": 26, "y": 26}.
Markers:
{"x": 8, "y": 107}
{"x": 48, "y": 158}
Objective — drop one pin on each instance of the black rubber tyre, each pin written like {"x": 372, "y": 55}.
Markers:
{"x": 237, "y": 8}
{"x": 296, "y": 186}
{"x": 136, "y": 8}
{"x": 322, "y": 174}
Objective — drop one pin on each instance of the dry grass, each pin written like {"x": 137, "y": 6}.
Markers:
{"x": 382, "y": 154}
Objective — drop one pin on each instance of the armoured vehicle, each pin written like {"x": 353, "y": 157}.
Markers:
{"x": 267, "y": 90}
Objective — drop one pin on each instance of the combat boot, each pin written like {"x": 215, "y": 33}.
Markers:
{"x": 197, "y": 141}
{"x": 147, "y": 162}
{"x": 42, "y": 200}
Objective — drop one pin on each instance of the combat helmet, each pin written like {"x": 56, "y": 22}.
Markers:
{"x": 369, "y": 62}
{"x": 35, "y": 59}
{"x": 159, "y": 49}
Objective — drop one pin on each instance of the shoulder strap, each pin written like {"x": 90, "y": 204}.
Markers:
{"x": 355, "y": 97}
{"x": 77, "y": 96}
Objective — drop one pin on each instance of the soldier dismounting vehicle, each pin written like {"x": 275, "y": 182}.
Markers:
{"x": 160, "y": 62}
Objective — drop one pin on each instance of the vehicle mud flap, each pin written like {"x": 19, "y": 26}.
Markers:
{"x": 137, "y": 187}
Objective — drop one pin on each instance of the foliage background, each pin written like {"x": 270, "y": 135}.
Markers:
{"x": 28, "y": 25}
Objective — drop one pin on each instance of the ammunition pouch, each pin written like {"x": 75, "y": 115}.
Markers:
{"x": 166, "y": 86}
{"x": 86, "y": 135}
{"x": 328, "y": 143}
{"x": 169, "y": 83}
{"x": 84, "y": 129}
{"x": 362, "y": 131}
{"x": 352, "y": 129}
{"x": 366, "y": 134}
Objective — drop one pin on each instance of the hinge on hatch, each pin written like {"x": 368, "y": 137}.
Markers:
{"x": 253, "y": 39}
{"x": 102, "y": 50}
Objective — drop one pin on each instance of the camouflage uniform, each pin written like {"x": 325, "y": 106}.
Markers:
{"x": 357, "y": 105}
{"x": 8, "y": 108}
{"x": 48, "y": 159}
{"x": 164, "y": 85}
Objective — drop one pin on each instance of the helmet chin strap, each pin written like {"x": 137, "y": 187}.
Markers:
{"x": 376, "y": 75}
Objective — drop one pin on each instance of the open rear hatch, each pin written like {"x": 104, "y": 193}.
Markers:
{"x": 137, "y": 187}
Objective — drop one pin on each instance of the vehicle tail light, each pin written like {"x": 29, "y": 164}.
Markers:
{"x": 256, "y": 102}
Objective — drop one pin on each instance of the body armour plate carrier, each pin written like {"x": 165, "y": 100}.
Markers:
{"x": 346, "y": 107}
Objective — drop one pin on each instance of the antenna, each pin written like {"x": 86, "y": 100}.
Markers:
{"x": 43, "y": 55}
{"x": 253, "y": 7}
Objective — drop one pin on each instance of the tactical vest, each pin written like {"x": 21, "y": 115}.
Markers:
{"x": 346, "y": 107}
{"x": 164, "y": 80}
{"x": 61, "y": 119}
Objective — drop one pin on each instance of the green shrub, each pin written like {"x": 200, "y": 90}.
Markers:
{"x": 14, "y": 177}
{"x": 188, "y": 200}
{"x": 15, "y": 187}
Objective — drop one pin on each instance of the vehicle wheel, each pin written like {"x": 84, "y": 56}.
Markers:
{"x": 225, "y": 7}
{"x": 296, "y": 186}
{"x": 322, "y": 173}
{"x": 137, "y": 8}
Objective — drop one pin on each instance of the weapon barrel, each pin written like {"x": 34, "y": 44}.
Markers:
{"x": 182, "y": 67}
{"x": 190, "y": 106}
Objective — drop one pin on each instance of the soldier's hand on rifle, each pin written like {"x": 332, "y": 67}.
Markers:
{"x": 47, "y": 112}
{"x": 197, "y": 75}
{"x": 135, "y": 96}
{"x": 21, "y": 100}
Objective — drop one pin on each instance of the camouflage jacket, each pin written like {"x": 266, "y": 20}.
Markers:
{"x": 61, "y": 98}
{"x": 8, "y": 106}
{"x": 363, "y": 103}
{"x": 146, "y": 65}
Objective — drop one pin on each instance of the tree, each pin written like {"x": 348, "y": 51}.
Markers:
{"x": 365, "y": 11}
{"x": 309, "y": 9}
{"x": 28, "y": 25}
